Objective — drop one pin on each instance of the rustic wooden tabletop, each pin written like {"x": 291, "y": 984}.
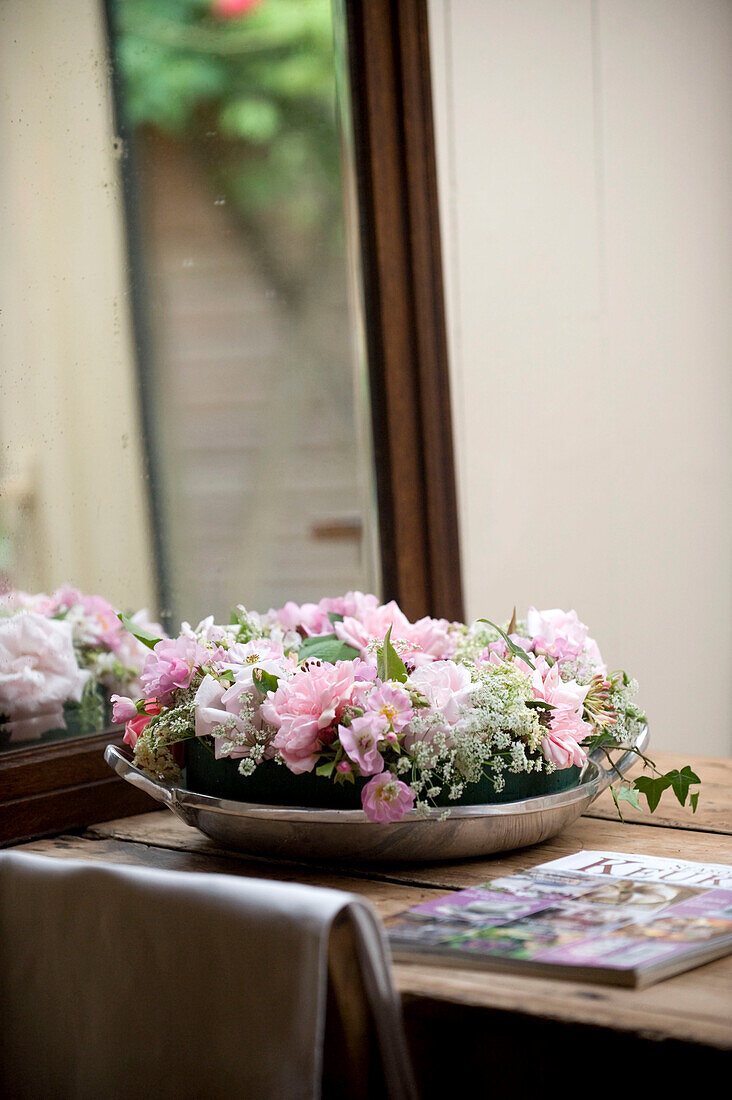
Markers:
{"x": 470, "y": 1027}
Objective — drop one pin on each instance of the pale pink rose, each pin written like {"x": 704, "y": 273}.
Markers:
{"x": 446, "y": 686}
{"x": 307, "y": 618}
{"x": 171, "y": 665}
{"x": 123, "y": 709}
{"x": 566, "y": 697}
{"x": 361, "y": 742}
{"x": 306, "y": 710}
{"x": 373, "y": 626}
{"x": 417, "y": 643}
{"x": 353, "y": 604}
{"x": 560, "y": 634}
{"x": 219, "y": 706}
{"x": 392, "y": 703}
{"x": 38, "y": 669}
{"x": 386, "y": 798}
{"x": 562, "y": 750}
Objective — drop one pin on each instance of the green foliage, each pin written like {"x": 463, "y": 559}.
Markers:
{"x": 326, "y": 647}
{"x": 138, "y": 632}
{"x": 389, "y": 664}
{"x": 514, "y": 650}
{"x": 264, "y": 681}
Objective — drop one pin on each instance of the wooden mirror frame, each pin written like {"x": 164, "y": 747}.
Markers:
{"x": 67, "y": 784}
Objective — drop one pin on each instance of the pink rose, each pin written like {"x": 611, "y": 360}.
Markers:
{"x": 306, "y": 709}
{"x": 123, "y": 709}
{"x": 171, "y": 665}
{"x": 567, "y": 700}
{"x": 361, "y": 742}
{"x": 386, "y": 798}
{"x": 562, "y": 749}
{"x": 134, "y": 728}
{"x": 560, "y": 634}
{"x": 446, "y": 686}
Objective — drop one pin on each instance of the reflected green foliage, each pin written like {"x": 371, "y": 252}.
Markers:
{"x": 254, "y": 94}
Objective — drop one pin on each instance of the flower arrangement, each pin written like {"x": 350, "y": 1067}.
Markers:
{"x": 413, "y": 714}
{"x": 61, "y": 657}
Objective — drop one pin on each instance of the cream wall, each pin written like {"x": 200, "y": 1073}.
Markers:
{"x": 72, "y": 492}
{"x": 584, "y": 154}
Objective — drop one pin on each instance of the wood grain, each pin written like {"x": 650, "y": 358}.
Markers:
{"x": 714, "y": 813}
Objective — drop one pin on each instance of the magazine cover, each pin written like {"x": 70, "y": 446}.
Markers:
{"x": 606, "y": 916}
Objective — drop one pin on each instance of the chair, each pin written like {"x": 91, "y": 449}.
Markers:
{"x": 128, "y": 982}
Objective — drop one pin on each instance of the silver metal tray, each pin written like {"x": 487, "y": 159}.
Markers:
{"x": 286, "y": 832}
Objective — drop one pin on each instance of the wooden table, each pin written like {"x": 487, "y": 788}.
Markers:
{"x": 474, "y": 1029}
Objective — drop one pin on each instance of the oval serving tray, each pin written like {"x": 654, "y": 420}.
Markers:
{"x": 285, "y": 832}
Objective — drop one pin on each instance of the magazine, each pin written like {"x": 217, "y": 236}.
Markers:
{"x": 592, "y": 916}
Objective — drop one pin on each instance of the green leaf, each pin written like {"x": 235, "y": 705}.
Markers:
{"x": 227, "y": 675}
{"x": 681, "y": 781}
{"x": 694, "y": 801}
{"x": 389, "y": 664}
{"x": 514, "y": 649}
{"x": 325, "y": 769}
{"x": 335, "y": 618}
{"x": 652, "y": 789}
{"x": 138, "y": 632}
{"x": 326, "y": 647}
{"x": 539, "y": 704}
{"x": 629, "y": 794}
{"x": 264, "y": 681}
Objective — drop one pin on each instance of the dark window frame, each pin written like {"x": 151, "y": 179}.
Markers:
{"x": 67, "y": 784}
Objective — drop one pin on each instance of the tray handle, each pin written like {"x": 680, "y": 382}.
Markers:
{"x": 161, "y": 792}
{"x": 608, "y": 774}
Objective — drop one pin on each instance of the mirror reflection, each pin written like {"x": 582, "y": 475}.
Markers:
{"x": 184, "y": 415}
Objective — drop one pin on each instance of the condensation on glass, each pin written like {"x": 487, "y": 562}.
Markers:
{"x": 184, "y": 419}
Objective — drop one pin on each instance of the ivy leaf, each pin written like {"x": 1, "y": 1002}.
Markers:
{"x": 389, "y": 664}
{"x": 652, "y": 789}
{"x": 326, "y": 647}
{"x": 264, "y": 681}
{"x": 603, "y": 740}
{"x": 516, "y": 650}
{"x": 137, "y": 631}
{"x": 681, "y": 781}
{"x": 694, "y": 801}
{"x": 629, "y": 794}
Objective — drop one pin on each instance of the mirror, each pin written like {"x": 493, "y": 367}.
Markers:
{"x": 185, "y": 412}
